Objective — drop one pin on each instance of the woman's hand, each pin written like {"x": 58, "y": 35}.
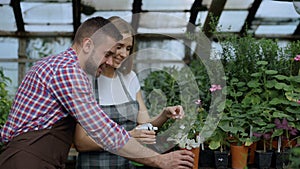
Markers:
{"x": 173, "y": 112}
{"x": 143, "y": 136}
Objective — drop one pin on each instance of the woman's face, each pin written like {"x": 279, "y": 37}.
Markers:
{"x": 123, "y": 50}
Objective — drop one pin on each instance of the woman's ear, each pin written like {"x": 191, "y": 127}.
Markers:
{"x": 87, "y": 45}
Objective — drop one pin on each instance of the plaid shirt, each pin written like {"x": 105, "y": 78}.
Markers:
{"x": 53, "y": 88}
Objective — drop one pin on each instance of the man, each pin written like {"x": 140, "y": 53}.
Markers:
{"x": 56, "y": 93}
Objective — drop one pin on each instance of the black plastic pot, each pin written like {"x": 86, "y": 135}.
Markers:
{"x": 263, "y": 159}
{"x": 281, "y": 159}
{"x": 207, "y": 158}
{"x": 221, "y": 159}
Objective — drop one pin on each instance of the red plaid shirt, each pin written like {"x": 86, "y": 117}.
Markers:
{"x": 52, "y": 89}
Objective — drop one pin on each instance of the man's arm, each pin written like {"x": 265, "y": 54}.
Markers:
{"x": 72, "y": 88}
{"x": 134, "y": 151}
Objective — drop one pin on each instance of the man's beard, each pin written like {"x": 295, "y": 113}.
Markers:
{"x": 90, "y": 66}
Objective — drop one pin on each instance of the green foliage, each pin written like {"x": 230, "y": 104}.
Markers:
{"x": 257, "y": 92}
{"x": 5, "y": 100}
{"x": 173, "y": 86}
{"x": 240, "y": 54}
{"x": 161, "y": 90}
{"x": 294, "y": 158}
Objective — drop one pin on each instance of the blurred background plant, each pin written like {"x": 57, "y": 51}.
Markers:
{"x": 5, "y": 99}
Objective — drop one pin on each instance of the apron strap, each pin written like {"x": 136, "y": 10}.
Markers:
{"x": 124, "y": 86}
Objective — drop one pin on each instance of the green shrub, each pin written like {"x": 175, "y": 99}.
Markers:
{"x": 5, "y": 100}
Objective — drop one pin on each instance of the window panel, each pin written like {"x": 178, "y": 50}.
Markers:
{"x": 227, "y": 24}
{"x": 7, "y": 23}
{"x": 47, "y": 13}
{"x": 164, "y": 20}
{"x": 126, "y": 15}
{"x": 166, "y": 5}
{"x": 232, "y": 4}
{"x": 276, "y": 9}
{"x": 9, "y": 50}
{"x": 275, "y": 29}
{"x": 109, "y": 4}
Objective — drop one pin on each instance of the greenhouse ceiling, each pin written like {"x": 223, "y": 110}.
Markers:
{"x": 263, "y": 18}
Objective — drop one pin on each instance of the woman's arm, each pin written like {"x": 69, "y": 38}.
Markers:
{"x": 174, "y": 112}
{"x": 83, "y": 142}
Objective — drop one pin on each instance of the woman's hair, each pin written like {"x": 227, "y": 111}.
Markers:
{"x": 95, "y": 26}
{"x": 124, "y": 28}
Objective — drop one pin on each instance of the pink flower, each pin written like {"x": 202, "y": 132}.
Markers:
{"x": 293, "y": 131}
{"x": 198, "y": 102}
{"x": 298, "y": 101}
{"x": 297, "y": 58}
{"x": 215, "y": 87}
{"x": 281, "y": 125}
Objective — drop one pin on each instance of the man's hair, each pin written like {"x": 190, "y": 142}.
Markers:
{"x": 96, "y": 26}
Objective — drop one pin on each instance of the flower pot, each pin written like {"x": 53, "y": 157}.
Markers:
{"x": 207, "y": 158}
{"x": 221, "y": 159}
{"x": 252, "y": 149}
{"x": 196, "y": 152}
{"x": 263, "y": 159}
{"x": 287, "y": 144}
{"x": 281, "y": 159}
{"x": 239, "y": 156}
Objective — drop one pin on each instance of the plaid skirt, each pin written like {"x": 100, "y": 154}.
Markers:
{"x": 102, "y": 160}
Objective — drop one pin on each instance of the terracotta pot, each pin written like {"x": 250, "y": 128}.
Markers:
{"x": 239, "y": 155}
{"x": 196, "y": 151}
{"x": 288, "y": 143}
{"x": 252, "y": 149}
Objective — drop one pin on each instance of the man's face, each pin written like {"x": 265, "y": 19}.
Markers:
{"x": 99, "y": 56}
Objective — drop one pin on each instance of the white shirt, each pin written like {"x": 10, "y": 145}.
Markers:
{"x": 111, "y": 92}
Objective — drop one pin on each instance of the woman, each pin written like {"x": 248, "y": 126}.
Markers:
{"x": 121, "y": 98}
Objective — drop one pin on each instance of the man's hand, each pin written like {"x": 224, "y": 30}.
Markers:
{"x": 181, "y": 159}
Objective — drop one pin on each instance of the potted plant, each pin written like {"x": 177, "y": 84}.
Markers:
{"x": 218, "y": 142}
{"x": 190, "y": 140}
{"x": 235, "y": 122}
{"x": 268, "y": 98}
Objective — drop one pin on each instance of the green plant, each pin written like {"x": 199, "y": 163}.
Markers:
{"x": 294, "y": 158}
{"x": 234, "y": 117}
{"x": 176, "y": 87}
{"x": 268, "y": 99}
{"x": 5, "y": 100}
{"x": 239, "y": 56}
{"x": 218, "y": 140}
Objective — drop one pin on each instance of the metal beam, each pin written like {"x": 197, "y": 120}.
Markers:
{"x": 213, "y": 15}
{"x": 136, "y": 10}
{"x": 140, "y": 35}
{"x": 76, "y": 15}
{"x": 297, "y": 30}
{"x": 34, "y": 34}
{"x": 196, "y": 7}
{"x": 15, "y": 4}
{"x": 250, "y": 17}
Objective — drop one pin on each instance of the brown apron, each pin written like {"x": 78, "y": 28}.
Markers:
{"x": 41, "y": 149}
